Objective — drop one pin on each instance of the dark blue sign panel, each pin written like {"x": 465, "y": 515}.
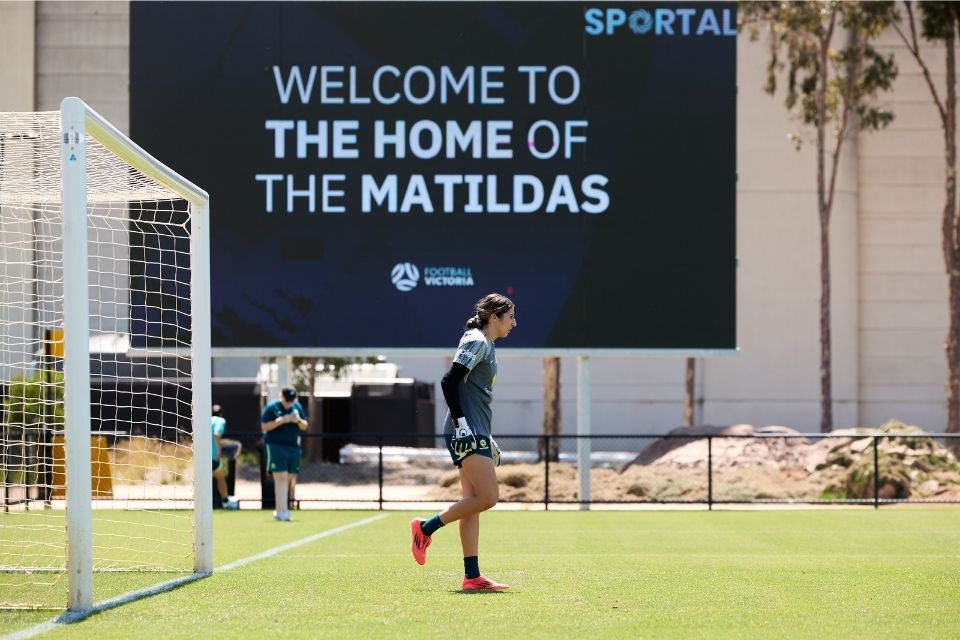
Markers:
{"x": 374, "y": 168}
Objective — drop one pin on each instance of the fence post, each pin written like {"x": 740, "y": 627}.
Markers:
{"x": 876, "y": 475}
{"x": 583, "y": 429}
{"x": 380, "y": 470}
{"x": 709, "y": 473}
{"x": 4, "y": 470}
{"x": 546, "y": 473}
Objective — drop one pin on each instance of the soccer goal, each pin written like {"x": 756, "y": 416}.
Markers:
{"x": 105, "y": 442}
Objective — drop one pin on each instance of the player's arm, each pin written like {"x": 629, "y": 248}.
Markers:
{"x": 298, "y": 413}
{"x": 268, "y": 423}
{"x": 216, "y": 440}
{"x": 463, "y": 438}
{"x": 450, "y": 384}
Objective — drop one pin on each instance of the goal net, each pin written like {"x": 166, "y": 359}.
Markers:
{"x": 104, "y": 365}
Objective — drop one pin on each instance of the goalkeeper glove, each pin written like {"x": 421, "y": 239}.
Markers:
{"x": 495, "y": 452}
{"x": 463, "y": 439}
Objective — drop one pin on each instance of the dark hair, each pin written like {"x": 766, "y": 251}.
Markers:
{"x": 216, "y": 410}
{"x": 492, "y": 304}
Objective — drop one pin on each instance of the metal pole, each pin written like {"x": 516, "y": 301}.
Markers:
{"x": 380, "y": 470}
{"x": 709, "y": 473}
{"x": 76, "y": 362}
{"x": 45, "y": 446}
{"x": 5, "y": 470}
{"x": 583, "y": 429}
{"x": 200, "y": 373}
{"x": 876, "y": 475}
{"x": 546, "y": 473}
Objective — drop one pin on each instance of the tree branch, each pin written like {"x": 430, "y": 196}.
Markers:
{"x": 913, "y": 47}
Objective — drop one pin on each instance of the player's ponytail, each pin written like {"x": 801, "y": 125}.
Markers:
{"x": 492, "y": 304}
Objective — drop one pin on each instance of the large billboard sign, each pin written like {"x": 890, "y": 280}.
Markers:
{"x": 374, "y": 168}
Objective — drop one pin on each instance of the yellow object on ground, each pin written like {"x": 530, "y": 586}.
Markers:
{"x": 101, "y": 480}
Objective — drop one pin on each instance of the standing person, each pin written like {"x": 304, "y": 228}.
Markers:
{"x": 468, "y": 391}
{"x": 218, "y": 424}
{"x": 281, "y": 422}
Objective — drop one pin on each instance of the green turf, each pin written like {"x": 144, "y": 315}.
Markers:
{"x": 123, "y": 540}
{"x": 630, "y": 574}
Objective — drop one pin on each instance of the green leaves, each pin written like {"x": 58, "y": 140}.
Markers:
{"x": 34, "y": 400}
{"x": 938, "y": 21}
{"x": 825, "y": 46}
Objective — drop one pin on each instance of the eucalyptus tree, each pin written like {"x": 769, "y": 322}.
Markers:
{"x": 939, "y": 23}
{"x": 833, "y": 75}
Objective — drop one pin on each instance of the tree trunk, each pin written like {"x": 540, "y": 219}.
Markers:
{"x": 824, "y": 204}
{"x": 953, "y": 364}
{"x": 549, "y": 448}
{"x": 314, "y": 447}
{"x": 826, "y": 378}
{"x": 950, "y": 222}
{"x": 688, "y": 393}
{"x": 951, "y": 247}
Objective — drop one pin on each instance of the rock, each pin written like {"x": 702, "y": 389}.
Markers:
{"x": 858, "y": 446}
{"x": 928, "y": 488}
{"x": 894, "y": 478}
{"x": 661, "y": 447}
{"x": 777, "y": 429}
{"x": 839, "y": 467}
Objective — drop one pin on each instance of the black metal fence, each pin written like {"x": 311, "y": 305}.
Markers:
{"x": 26, "y": 467}
{"x": 762, "y": 468}
{"x": 376, "y": 470}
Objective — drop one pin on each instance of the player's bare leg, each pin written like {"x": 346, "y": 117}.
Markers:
{"x": 482, "y": 476}
{"x": 218, "y": 475}
{"x": 292, "y": 495}
{"x": 481, "y": 491}
{"x": 478, "y": 480}
{"x": 281, "y": 488}
{"x": 469, "y": 525}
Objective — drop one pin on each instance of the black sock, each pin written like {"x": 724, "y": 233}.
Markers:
{"x": 471, "y": 566}
{"x": 429, "y": 527}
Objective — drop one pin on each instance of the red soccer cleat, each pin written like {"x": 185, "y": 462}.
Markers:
{"x": 420, "y": 541}
{"x": 482, "y": 584}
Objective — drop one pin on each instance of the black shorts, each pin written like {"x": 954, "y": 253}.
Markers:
{"x": 483, "y": 448}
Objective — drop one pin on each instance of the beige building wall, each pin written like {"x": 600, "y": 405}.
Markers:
{"x": 83, "y": 49}
{"x": 776, "y": 379}
{"x": 903, "y": 293}
{"x": 17, "y": 46}
{"x": 889, "y": 288}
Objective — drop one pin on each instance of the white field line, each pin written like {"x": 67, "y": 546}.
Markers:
{"x": 297, "y": 543}
{"x": 76, "y": 616}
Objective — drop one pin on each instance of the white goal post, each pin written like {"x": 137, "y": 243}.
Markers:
{"x": 105, "y": 321}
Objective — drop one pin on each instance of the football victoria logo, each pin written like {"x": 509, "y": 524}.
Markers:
{"x": 405, "y": 276}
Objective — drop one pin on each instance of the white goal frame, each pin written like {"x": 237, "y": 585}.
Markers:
{"x": 78, "y": 121}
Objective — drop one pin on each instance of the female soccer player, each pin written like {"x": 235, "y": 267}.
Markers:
{"x": 468, "y": 390}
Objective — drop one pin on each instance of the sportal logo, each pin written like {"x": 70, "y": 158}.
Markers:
{"x": 405, "y": 276}
{"x": 640, "y": 21}
{"x": 672, "y": 20}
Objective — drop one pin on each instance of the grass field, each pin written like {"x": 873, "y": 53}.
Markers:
{"x": 834, "y": 573}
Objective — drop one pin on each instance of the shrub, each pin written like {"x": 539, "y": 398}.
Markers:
{"x": 34, "y": 401}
